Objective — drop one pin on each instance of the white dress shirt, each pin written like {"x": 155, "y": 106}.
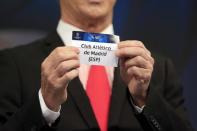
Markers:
{"x": 64, "y": 30}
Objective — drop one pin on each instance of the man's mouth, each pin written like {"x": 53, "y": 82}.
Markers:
{"x": 95, "y": 1}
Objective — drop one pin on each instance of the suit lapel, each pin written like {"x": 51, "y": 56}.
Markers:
{"x": 117, "y": 99}
{"x": 120, "y": 106}
{"x": 80, "y": 98}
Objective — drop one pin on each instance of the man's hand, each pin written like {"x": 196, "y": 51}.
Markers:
{"x": 57, "y": 70}
{"x": 136, "y": 66}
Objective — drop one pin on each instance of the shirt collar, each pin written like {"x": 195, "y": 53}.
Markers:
{"x": 65, "y": 31}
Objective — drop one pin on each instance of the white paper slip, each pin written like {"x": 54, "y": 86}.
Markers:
{"x": 95, "y": 48}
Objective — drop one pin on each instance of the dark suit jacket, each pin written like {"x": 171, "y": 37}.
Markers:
{"x": 20, "y": 109}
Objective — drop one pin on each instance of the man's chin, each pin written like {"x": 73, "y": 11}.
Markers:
{"x": 97, "y": 16}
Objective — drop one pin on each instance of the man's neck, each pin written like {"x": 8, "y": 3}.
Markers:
{"x": 88, "y": 24}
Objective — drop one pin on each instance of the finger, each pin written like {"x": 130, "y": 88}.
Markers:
{"x": 130, "y": 43}
{"x": 66, "y": 66}
{"x": 61, "y": 54}
{"x": 131, "y": 52}
{"x": 51, "y": 81}
{"x": 66, "y": 53}
{"x": 69, "y": 76}
{"x": 133, "y": 43}
{"x": 138, "y": 61}
{"x": 140, "y": 73}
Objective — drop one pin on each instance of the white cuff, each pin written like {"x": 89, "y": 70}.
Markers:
{"x": 49, "y": 115}
{"x": 137, "y": 108}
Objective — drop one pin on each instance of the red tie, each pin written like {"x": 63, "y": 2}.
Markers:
{"x": 98, "y": 91}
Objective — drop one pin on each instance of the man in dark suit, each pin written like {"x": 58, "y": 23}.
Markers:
{"x": 44, "y": 87}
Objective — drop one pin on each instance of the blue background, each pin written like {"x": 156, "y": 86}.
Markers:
{"x": 167, "y": 27}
